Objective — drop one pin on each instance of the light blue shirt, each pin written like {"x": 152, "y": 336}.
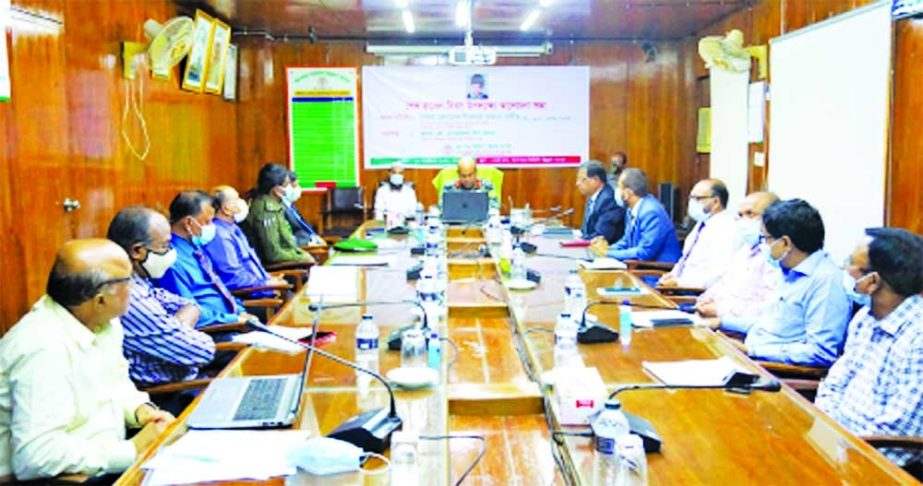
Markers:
{"x": 807, "y": 323}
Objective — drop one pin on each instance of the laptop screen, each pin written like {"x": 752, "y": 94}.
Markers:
{"x": 464, "y": 206}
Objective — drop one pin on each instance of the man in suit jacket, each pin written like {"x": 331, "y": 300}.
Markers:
{"x": 602, "y": 217}
{"x": 649, "y": 233}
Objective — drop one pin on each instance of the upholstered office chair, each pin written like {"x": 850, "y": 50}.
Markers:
{"x": 345, "y": 210}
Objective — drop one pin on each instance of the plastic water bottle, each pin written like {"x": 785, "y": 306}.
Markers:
{"x": 434, "y": 351}
{"x": 625, "y": 322}
{"x": 573, "y": 279}
{"x": 405, "y": 463}
{"x": 431, "y": 241}
{"x": 632, "y": 460}
{"x": 566, "y": 354}
{"x": 518, "y": 265}
{"x": 578, "y": 298}
{"x": 418, "y": 215}
{"x": 608, "y": 427}
{"x": 366, "y": 351}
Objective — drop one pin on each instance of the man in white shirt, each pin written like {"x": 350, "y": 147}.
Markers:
{"x": 711, "y": 242}
{"x": 395, "y": 196}
{"x": 65, "y": 395}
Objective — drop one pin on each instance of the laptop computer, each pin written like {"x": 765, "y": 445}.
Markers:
{"x": 251, "y": 402}
{"x": 463, "y": 207}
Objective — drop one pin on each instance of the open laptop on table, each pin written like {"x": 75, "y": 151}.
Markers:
{"x": 251, "y": 402}
{"x": 464, "y": 207}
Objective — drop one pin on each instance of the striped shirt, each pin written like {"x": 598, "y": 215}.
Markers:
{"x": 159, "y": 348}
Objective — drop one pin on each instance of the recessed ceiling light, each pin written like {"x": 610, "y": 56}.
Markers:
{"x": 407, "y": 16}
{"x": 461, "y": 13}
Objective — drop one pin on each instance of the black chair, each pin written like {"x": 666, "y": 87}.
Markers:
{"x": 345, "y": 210}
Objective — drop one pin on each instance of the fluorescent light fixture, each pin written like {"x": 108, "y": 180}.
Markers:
{"x": 407, "y": 15}
{"x": 402, "y": 4}
{"x": 544, "y": 3}
{"x": 530, "y": 19}
{"x": 32, "y": 22}
{"x": 522, "y": 50}
{"x": 461, "y": 13}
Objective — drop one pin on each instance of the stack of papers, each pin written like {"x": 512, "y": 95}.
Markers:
{"x": 362, "y": 260}
{"x": 268, "y": 341}
{"x": 664, "y": 318}
{"x": 223, "y": 455}
{"x": 333, "y": 284}
{"x": 696, "y": 372}
{"x": 603, "y": 264}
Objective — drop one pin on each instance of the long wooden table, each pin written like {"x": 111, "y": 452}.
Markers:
{"x": 709, "y": 436}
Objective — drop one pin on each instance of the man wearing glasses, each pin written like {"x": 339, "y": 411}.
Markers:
{"x": 712, "y": 239}
{"x": 746, "y": 288}
{"x": 65, "y": 395}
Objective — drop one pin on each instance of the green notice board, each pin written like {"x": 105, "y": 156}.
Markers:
{"x": 323, "y": 126}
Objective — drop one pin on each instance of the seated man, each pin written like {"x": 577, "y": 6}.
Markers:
{"x": 304, "y": 233}
{"x": 65, "y": 396}
{"x": 468, "y": 181}
{"x": 712, "y": 239}
{"x": 874, "y": 388}
{"x": 274, "y": 240}
{"x": 161, "y": 343}
{"x": 649, "y": 233}
{"x": 617, "y": 164}
{"x": 806, "y": 324}
{"x": 232, "y": 257}
{"x": 601, "y": 216}
{"x": 395, "y": 196}
{"x": 747, "y": 287}
{"x": 192, "y": 275}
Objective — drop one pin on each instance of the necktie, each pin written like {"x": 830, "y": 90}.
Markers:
{"x": 207, "y": 268}
{"x": 682, "y": 261}
{"x": 586, "y": 215}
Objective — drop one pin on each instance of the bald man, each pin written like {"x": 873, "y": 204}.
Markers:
{"x": 468, "y": 181}
{"x": 395, "y": 196}
{"x": 65, "y": 395}
{"x": 747, "y": 288}
{"x": 234, "y": 260}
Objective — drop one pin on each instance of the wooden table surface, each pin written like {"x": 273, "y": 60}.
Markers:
{"x": 709, "y": 436}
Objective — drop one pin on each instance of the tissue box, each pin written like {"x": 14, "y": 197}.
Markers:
{"x": 580, "y": 392}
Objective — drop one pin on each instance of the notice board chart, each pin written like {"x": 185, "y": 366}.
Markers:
{"x": 323, "y": 126}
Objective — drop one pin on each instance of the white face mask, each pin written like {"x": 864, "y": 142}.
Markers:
{"x": 156, "y": 264}
{"x": 323, "y": 456}
{"x": 241, "y": 215}
{"x": 748, "y": 230}
{"x": 396, "y": 179}
{"x": 697, "y": 211}
{"x": 618, "y": 197}
{"x": 291, "y": 194}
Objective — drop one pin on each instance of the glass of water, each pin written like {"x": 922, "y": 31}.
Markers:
{"x": 413, "y": 349}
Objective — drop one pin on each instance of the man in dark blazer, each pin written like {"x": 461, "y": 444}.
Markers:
{"x": 602, "y": 217}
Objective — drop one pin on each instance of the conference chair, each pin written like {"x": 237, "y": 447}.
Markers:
{"x": 343, "y": 203}
{"x": 486, "y": 172}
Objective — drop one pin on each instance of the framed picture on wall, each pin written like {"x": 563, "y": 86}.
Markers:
{"x": 230, "y": 74}
{"x": 217, "y": 54}
{"x": 197, "y": 62}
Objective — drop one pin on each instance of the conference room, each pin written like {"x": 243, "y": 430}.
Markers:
{"x": 538, "y": 242}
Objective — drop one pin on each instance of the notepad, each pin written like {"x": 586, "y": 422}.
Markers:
{"x": 605, "y": 263}
{"x": 695, "y": 372}
{"x": 362, "y": 261}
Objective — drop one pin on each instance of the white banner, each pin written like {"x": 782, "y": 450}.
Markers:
{"x": 505, "y": 116}
{"x": 5, "y": 22}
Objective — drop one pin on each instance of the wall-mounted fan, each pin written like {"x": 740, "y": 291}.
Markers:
{"x": 169, "y": 44}
{"x": 727, "y": 52}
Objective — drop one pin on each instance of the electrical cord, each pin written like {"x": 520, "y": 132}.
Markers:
{"x": 554, "y": 443}
{"x": 460, "y": 436}
{"x": 455, "y": 347}
{"x": 539, "y": 329}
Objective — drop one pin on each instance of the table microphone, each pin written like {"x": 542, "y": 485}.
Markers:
{"x": 596, "y": 333}
{"x": 739, "y": 382}
{"x": 394, "y": 338}
{"x": 370, "y": 430}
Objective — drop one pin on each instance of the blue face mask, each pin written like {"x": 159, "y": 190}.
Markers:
{"x": 208, "y": 234}
{"x": 766, "y": 249}
{"x": 849, "y": 285}
{"x": 748, "y": 230}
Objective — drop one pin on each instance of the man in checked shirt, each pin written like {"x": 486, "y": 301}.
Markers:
{"x": 876, "y": 387}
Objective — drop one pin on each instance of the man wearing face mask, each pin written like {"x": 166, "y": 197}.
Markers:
{"x": 806, "y": 324}
{"x": 234, "y": 260}
{"x": 712, "y": 239}
{"x": 272, "y": 234}
{"x": 304, "y": 233}
{"x": 161, "y": 342}
{"x": 192, "y": 275}
{"x": 874, "y": 388}
{"x": 394, "y": 195}
{"x": 746, "y": 288}
{"x": 649, "y": 233}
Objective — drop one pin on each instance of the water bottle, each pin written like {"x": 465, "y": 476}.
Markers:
{"x": 566, "y": 354}
{"x": 366, "y": 351}
{"x": 608, "y": 427}
{"x": 431, "y": 241}
{"x": 418, "y": 215}
{"x": 632, "y": 460}
{"x": 434, "y": 351}
{"x": 573, "y": 279}
{"x": 405, "y": 463}
{"x": 427, "y": 293}
{"x": 578, "y": 298}
{"x": 625, "y": 322}
{"x": 518, "y": 268}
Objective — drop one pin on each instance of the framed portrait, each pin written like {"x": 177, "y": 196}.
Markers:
{"x": 230, "y": 74}
{"x": 197, "y": 62}
{"x": 217, "y": 54}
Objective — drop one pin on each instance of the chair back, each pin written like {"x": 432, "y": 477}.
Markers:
{"x": 345, "y": 199}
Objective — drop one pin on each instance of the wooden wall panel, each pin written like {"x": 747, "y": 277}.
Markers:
{"x": 638, "y": 106}
{"x": 906, "y": 171}
{"x": 62, "y": 138}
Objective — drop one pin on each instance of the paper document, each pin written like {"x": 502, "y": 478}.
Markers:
{"x": 334, "y": 284}
{"x": 362, "y": 261}
{"x": 605, "y": 263}
{"x": 268, "y": 341}
{"x": 621, "y": 292}
{"x": 223, "y": 455}
{"x": 696, "y": 372}
{"x": 664, "y": 318}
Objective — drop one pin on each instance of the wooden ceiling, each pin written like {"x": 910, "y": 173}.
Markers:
{"x": 563, "y": 19}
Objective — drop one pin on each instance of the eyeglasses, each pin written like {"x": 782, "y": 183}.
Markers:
{"x": 112, "y": 281}
{"x": 162, "y": 251}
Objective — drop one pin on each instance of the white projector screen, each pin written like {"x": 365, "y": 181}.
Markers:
{"x": 829, "y": 120}
{"x": 518, "y": 116}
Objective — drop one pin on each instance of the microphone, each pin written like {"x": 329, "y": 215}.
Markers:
{"x": 394, "y": 338}
{"x": 557, "y": 213}
{"x": 738, "y": 382}
{"x": 370, "y": 430}
{"x": 596, "y": 333}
